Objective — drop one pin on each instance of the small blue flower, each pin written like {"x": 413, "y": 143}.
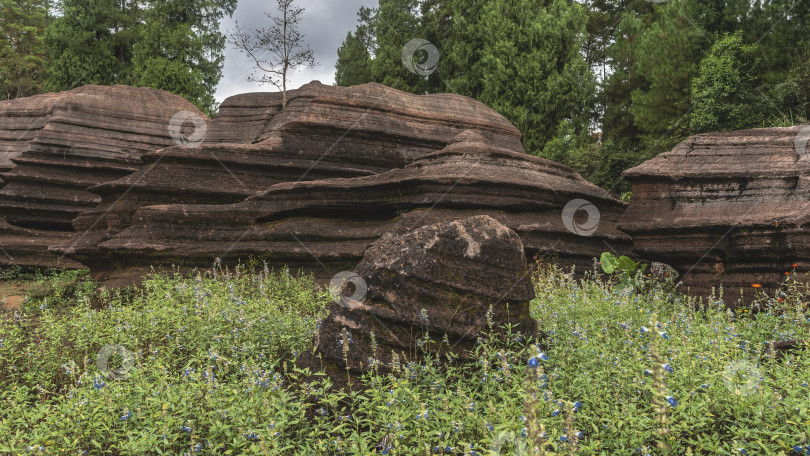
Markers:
{"x": 543, "y": 356}
{"x": 555, "y": 413}
{"x": 533, "y": 362}
{"x": 644, "y": 330}
{"x": 577, "y": 405}
{"x": 668, "y": 368}
{"x": 647, "y": 372}
{"x": 186, "y": 429}
{"x": 664, "y": 335}
{"x": 672, "y": 401}
{"x": 742, "y": 450}
{"x": 126, "y": 416}
{"x": 579, "y": 434}
{"x": 98, "y": 384}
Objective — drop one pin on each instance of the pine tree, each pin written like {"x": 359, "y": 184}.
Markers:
{"x": 397, "y": 24}
{"x": 354, "y": 63}
{"x": 668, "y": 55}
{"x": 22, "y": 53}
{"x": 91, "y": 43}
{"x": 532, "y": 69}
{"x": 181, "y": 49}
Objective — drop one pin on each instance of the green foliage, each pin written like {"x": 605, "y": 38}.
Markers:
{"x": 354, "y": 63}
{"x": 171, "y": 45}
{"x": 213, "y": 374}
{"x": 535, "y": 50}
{"x": 181, "y": 48}
{"x": 627, "y": 270}
{"x": 396, "y": 24}
{"x": 725, "y": 94}
{"x": 91, "y": 43}
{"x": 22, "y": 55}
{"x": 671, "y": 48}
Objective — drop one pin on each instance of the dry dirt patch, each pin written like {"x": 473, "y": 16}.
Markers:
{"x": 12, "y": 295}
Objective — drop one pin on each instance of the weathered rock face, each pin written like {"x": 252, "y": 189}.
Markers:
{"x": 20, "y": 121}
{"x": 70, "y": 141}
{"x": 93, "y": 134}
{"x": 29, "y": 247}
{"x": 725, "y": 208}
{"x": 452, "y": 278}
{"x": 325, "y": 226}
{"x": 324, "y": 132}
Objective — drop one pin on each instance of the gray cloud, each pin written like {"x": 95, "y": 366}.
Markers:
{"x": 324, "y": 25}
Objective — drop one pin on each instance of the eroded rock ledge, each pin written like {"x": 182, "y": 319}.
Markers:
{"x": 324, "y": 132}
{"x": 325, "y": 226}
{"x": 54, "y": 146}
{"x": 725, "y": 208}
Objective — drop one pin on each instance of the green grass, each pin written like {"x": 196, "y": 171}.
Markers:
{"x": 213, "y": 374}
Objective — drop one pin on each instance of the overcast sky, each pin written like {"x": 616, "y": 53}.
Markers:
{"x": 324, "y": 24}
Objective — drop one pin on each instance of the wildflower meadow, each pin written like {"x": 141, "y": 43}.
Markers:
{"x": 204, "y": 363}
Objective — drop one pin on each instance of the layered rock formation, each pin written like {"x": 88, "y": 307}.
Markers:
{"x": 725, "y": 208}
{"x": 74, "y": 140}
{"x": 20, "y": 121}
{"x": 325, "y": 226}
{"x": 449, "y": 279}
{"x": 324, "y": 132}
{"x": 28, "y": 247}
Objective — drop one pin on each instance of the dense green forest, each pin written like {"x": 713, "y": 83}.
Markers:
{"x": 643, "y": 74}
{"x": 600, "y": 85}
{"x": 174, "y": 45}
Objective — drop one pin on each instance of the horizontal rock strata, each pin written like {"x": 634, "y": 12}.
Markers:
{"x": 325, "y": 226}
{"x": 20, "y": 121}
{"x": 726, "y": 209}
{"x": 324, "y": 132}
{"x": 74, "y": 140}
{"x": 28, "y": 247}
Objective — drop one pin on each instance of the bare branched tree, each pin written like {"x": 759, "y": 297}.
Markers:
{"x": 282, "y": 41}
